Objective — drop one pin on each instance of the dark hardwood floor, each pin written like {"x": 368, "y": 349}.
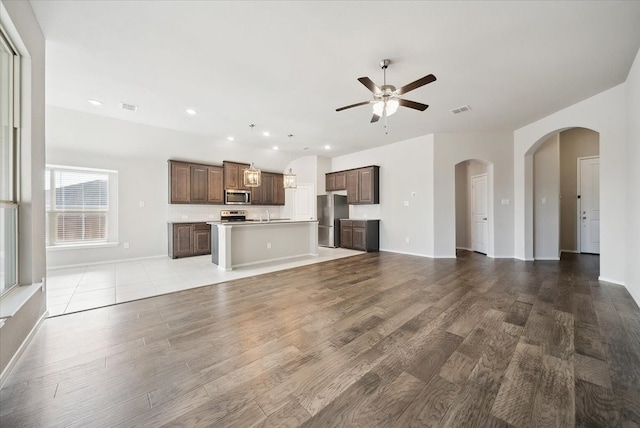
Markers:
{"x": 377, "y": 339}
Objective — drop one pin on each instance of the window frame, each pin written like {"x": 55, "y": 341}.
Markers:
{"x": 11, "y": 203}
{"x": 52, "y": 213}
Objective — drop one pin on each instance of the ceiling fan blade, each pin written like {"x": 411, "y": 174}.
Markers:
{"x": 413, "y": 105}
{"x": 353, "y": 105}
{"x": 374, "y": 118}
{"x": 415, "y": 85}
{"x": 370, "y": 85}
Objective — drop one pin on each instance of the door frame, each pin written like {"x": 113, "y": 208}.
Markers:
{"x": 578, "y": 205}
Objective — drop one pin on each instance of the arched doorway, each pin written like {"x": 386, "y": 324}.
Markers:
{"x": 554, "y": 181}
{"x": 474, "y": 206}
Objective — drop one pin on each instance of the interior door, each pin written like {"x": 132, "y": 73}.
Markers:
{"x": 304, "y": 206}
{"x": 589, "y": 203}
{"x": 479, "y": 231}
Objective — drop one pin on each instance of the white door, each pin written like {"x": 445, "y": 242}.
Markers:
{"x": 479, "y": 211}
{"x": 304, "y": 206}
{"x": 589, "y": 204}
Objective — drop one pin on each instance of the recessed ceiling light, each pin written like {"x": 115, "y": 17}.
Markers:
{"x": 275, "y": 147}
{"x": 191, "y": 111}
{"x": 266, "y": 133}
{"x": 230, "y": 138}
{"x": 327, "y": 147}
{"x": 95, "y": 102}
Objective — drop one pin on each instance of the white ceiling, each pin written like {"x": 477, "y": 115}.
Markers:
{"x": 286, "y": 66}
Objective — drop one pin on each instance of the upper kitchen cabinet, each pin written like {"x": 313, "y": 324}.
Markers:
{"x": 270, "y": 191}
{"x": 362, "y": 184}
{"x": 179, "y": 182}
{"x": 234, "y": 175}
{"x": 191, "y": 183}
{"x": 216, "y": 185}
{"x": 336, "y": 181}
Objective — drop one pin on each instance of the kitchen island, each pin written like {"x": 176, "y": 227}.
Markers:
{"x": 244, "y": 243}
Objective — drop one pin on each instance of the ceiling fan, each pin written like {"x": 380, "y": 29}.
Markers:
{"x": 386, "y": 99}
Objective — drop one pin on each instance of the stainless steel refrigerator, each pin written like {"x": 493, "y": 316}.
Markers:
{"x": 331, "y": 208}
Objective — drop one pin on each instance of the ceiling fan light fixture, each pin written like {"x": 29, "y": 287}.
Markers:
{"x": 388, "y": 106}
{"x": 252, "y": 176}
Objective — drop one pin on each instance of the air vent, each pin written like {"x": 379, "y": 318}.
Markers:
{"x": 131, "y": 107}
{"x": 460, "y": 109}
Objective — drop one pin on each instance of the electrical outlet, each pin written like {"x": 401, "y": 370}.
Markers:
{"x": 406, "y": 203}
{"x": 268, "y": 245}
{"x": 141, "y": 204}
{"x": 185, "y": 217}
{"x": 406, "y": 239}
{"x": 125, "y": 245}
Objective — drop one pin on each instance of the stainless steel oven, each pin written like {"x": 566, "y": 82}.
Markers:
{"x": 237, "y": 197}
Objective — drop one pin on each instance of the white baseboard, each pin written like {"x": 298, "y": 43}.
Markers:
{"x": 547, "y": 259}
{"x": 613, "y": 281}
{"x": 570, "y": 251}
{"x": 133, "y": 259}
{"x": 14, "y": 360}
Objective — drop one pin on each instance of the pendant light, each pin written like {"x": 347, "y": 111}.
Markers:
{"x": 290, "y": 179}
{"x": 252, "y": 176}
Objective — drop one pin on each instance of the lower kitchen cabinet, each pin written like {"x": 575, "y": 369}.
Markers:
{"x": 361, "y": 235}
{"x": 189, "y": 239}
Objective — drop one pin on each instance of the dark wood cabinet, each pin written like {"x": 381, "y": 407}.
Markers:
{"x": 363, "y": 235}
{"x": 199, "y": 184}
{"x": 189, "y": 239}
{"x": 362, "y": 184}
{"x": 368, "y": 185}
{"x": 191, "y": 183}
{"x": 270, "y": 191}
{"x": 336, "y": 181}
{"x": 353, "y": 187}
{"x": 179, "y": 183}
{"x": 216, "y": 185}
{"x": 234, "y": 175}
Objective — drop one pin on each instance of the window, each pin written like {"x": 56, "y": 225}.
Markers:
{"x": 80, "y": 204}
{"x": 8, "y": 161}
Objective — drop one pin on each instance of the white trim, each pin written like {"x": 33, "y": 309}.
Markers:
{"x": 80, "y": 168}
{"x": 17, "y": 297}
{"x": 104, "y": 262}
{"x": 613, "y": 281}
{"x": 547, "y": 259}
{"x": 81, "y": 246}
{"x": 23, "y": 346}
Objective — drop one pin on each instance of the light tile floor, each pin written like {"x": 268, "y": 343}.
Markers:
{"x": 86, "y": 287}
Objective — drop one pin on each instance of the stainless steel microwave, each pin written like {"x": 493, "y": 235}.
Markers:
{"x": 237, "y": 197}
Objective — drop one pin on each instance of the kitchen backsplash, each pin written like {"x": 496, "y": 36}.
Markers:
{"x": 198, "y": 213}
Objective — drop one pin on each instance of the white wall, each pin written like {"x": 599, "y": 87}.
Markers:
{"x": 405, "y": 167}
{"x": 632, "y": 225}
{"x": 139, "y": 153}
{"x": 496, "y": 150}
{"x": 604, "y": 113}
{"x": 546, "y": 196}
